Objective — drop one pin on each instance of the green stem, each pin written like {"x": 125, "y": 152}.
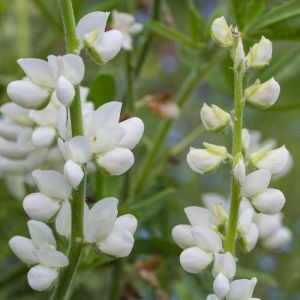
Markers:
{"x": 230, "y": 239}
{"x": 64, "y": 285}
{"x": 186, "y": 142}
{"x": 146, "y": 47}
{"x": 130, "y": 97}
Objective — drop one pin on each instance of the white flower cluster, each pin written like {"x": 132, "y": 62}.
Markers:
{"x": 259, "y": 206}
{"x": 202, "y": 244}
{"x": 38, "y": 122}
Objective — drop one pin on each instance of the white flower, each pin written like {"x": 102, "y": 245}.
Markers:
{"x": 269, "y": 202}
{"x": 263, "y": 95}
{"x": 221, "y": 285}
{"x": 260, "y": 54}
{"x": 43, "y": 136}
{"x": 207, "y": 239}
{"x": 256, "y": 182}
{"x": 241, "y": 289}
{"x": 126, "y": 24}
{"x": 35, "y": 91}
{"x": 225, "y": 264}
{"x": 73, "y": 173}
{"x": 273, "y": 160}
{"x": 111, "y": 141}
{"x": 267, "y": 224}
{"x": 102, "y": 46}
{"x": 199, "y": 216}
{"x": 40, "y": 252}
{"x": 195, "y": 260}
{"x": 111, "y": 234}
{"x": 214, "y": 118}
{"x": 221, "y": 32}
{"x": 204, "y": 161}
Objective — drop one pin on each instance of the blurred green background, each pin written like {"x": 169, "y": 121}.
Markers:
{"x": 180, "y": 51}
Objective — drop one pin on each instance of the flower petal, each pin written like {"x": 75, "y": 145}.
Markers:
{"x": 109, "y": 45}
{"x": 27, "y": 94}
{"x": 101, "y": 219}
{"x": 126, "y": 222}
{"x": 50, "y": 257}
{"x": 134, "y": 131}
{"x": 195, "y": 260}
{"x": 256, "y": 182}
{"x": 40, "y": 207}
{"x": 23, "y": 248}
{"x": 199, "y": 216}
{"x": 38, "y": 71}
{"x": 40, "y": 233}
{"x": 63, "y": 220}
{"x": 41, "y": 278}
{"x": 207, "y": 239}
{"x": 43, "y": 136}
{"x": 52, "y": 183}
{"x": 73, "y": 173}
{"x": 91, "y": 22}
{"x": 182, "y": 235}
{"x": 241, "y": 289}
{"x": 118, "y": 243}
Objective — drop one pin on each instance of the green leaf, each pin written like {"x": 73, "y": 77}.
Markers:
{"x": 172, "y": 34}
{"x": 195, "y": 22}
{"x": 276, "y": 14}
{"x": 255, "y": 8}
{"x": 238, "y": 9}
{"x": 103, "y": 89}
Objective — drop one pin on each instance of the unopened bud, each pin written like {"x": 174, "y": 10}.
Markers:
{"x": 221, "y": 32}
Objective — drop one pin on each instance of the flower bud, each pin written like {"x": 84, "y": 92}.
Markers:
{"x": 241, "y": 289}
{"x": 278, "y": 239}
{"x": 221, "y": 32}
{"x": 73, "y": 173}
{"x": 214, "y": 118}
{"x": 43, "y": 136}
{"x": 224, "y": 263}
{"x": 256, "y": 182}
{"x": 269, "y": 202}
{"x": 221, "y": 286}
{"x": 195, "y": 260}
{"x": 245, "y": 139}
{"x": 274, "y": 160}
{"x": 239, "y": 170}
{"x": 263, "y": 95}
{"x": 260, "y": 54}
{"x": 267, "y": 224}
{"x": 27, "y": 94}
{"x": 204, "y": 161}
{"x": 40, "y": 207}
{"x": 64, "y": 91}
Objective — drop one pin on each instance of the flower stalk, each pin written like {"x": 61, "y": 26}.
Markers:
{"x": 64, "y": 284}
{"x": 239, "y": 73}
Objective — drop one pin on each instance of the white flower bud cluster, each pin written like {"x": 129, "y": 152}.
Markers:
{"x": 40, "y": 116}
{"x": 202, "y": 245}
{"x": 259, "y": 207}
